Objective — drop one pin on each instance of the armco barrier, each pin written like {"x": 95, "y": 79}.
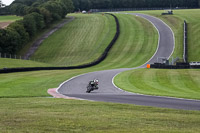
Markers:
{"x": 185, "y": 52}
{"x": 195, "y": 67}
{"x": 100, "y": 59}
{"x": 177, "y": 66}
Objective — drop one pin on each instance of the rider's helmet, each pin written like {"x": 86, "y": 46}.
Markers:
{"x": 96, "y": 81}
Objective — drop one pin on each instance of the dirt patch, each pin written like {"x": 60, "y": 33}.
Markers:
{"x": 4, "y": 24}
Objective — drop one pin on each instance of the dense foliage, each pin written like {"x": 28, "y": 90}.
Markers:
{"x": 38, "y": 14}
{"x": 105, "y": 4}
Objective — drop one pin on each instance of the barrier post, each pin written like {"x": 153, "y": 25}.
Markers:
{"x": 148, "y": 66}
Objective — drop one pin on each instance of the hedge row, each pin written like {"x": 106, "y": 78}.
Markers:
{"x": 100, "y": 59}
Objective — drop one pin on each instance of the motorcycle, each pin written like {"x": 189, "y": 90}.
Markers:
{"x": 93, "y": 85}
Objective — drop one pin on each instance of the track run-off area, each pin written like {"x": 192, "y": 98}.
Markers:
{"x": 108, "y": 92}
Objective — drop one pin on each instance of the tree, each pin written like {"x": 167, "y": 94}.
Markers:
{"x": 198, "y": 3}
{"x": 30, "y": 24}
{"x": 19, "y": 28}
{"x": 68, "y": 4}
{"x": 3, "y": 40}
{"x": 53, "y": 8}
{"x": 85, "y": 4}
{"x": 47, "y": 15}
{"x": 19, "y": 9}
{"x": 76, "y": 4}
{"x": 39, "y": 19}
{"x": 1, "y": 4}
{"x": 9, "y": 40}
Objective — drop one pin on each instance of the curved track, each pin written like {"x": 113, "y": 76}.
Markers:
{"x": 108, "y": 92}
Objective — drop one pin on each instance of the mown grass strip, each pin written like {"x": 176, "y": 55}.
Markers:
{"x": 58, "y": 115}
{"x": 79, "y": 42}
{"x": 173, "y": 83}
{"x": 13, "y": 63}
{"x": 10, "y": 18}
{"x": 33, "y": 84}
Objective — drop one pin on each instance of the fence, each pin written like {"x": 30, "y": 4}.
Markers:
{"x": 177, "y": 66}
{"x": 11, "y": 56}
{"x": 185, "y": 51}
{"x": 130, "y": 9}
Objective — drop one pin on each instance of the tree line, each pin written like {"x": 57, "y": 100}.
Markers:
{"x": 109, "y": 4}
{"x": 37, "y": 15}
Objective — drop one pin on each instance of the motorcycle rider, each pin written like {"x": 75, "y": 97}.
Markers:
{"x": 94, "y": 83}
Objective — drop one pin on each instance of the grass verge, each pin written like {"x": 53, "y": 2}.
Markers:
{"x": 173, "y": 83}
{"x": 13, "y": 63}
{"x": 33, "y": 84}
{"x": 58, "y": 115}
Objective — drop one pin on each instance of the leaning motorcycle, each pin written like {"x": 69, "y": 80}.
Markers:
{"x": 92, "y": 86}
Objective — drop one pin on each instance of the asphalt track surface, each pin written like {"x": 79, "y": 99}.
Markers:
{"x": 108, "y": 92}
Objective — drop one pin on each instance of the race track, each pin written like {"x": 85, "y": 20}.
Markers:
{"x": 76, "y": 86}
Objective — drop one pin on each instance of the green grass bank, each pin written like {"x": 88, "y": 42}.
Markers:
{"x": 78, "y": 42}
{"x": 13, "y": 63}
{"x": 159, "y": 82}
{"x": 59, "y": 115}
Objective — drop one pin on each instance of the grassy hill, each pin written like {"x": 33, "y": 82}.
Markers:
{"x": 79, "y": 42}
{"x": 175, "y": 83}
